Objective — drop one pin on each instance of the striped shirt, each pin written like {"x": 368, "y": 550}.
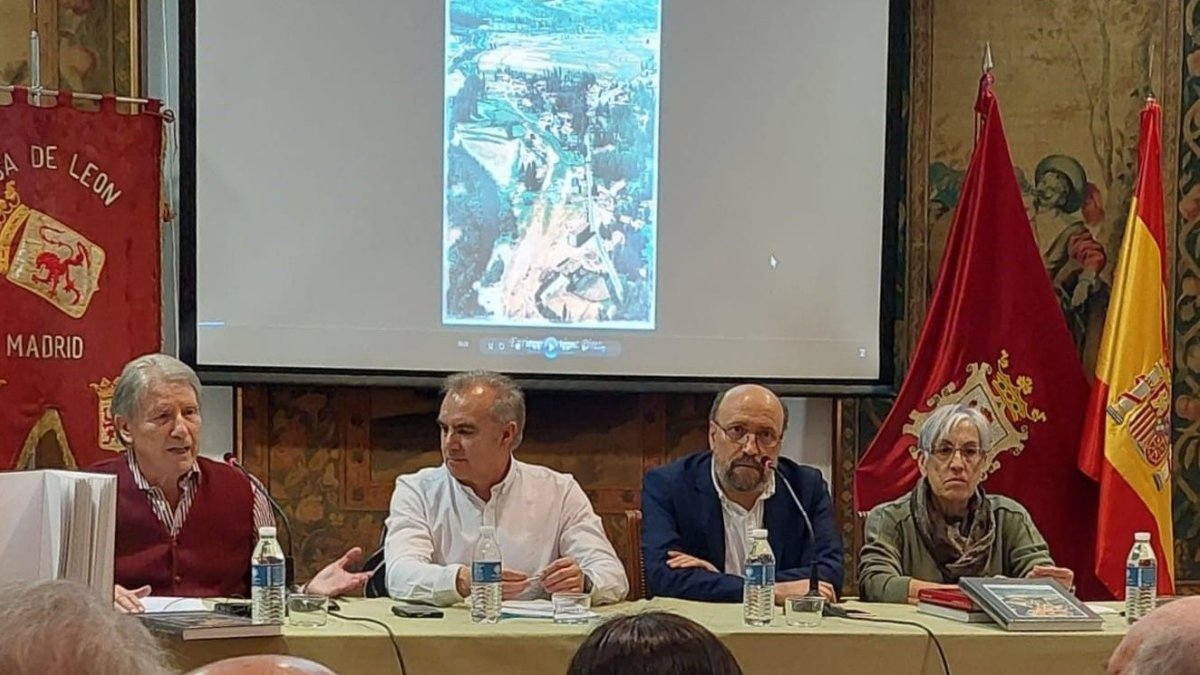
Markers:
{"x": 173, "y": 519}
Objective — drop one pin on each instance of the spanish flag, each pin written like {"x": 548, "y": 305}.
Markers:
{"x": 1126, "y": 445}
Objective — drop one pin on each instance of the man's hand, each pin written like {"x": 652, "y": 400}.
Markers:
{"x": 512, "y": 583}
{"x": 784, "y": 589}
{"x": 562, "y": 576}
{"x": 462, "y": 582}
{"x": 678, "y": 560}
{"x": 126, "y": 601}
{"x": 336, "y": 580}
{"x": 1062, "y": 575}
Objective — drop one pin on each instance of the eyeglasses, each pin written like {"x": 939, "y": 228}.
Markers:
{"x": 970, "y": 453}
{"x": 767, "y": 439}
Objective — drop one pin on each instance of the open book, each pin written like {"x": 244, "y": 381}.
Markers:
{"x": 59, "y": 525}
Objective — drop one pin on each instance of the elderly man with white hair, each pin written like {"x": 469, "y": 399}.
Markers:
{"x": 948, "y": 527}
{"x": 1164, "y": 642}
{"x": 186, "y": 525}
{"x": 58, "y": 626}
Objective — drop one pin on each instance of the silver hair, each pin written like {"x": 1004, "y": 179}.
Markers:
{"x": 943, "y": 419}
{"x": 509, "y": 405}
{"x": 144, "y": 371}
{"x": 62, "y": 627}
{"x": 1174, "y": 650}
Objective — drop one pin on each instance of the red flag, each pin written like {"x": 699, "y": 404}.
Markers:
{"x": 1126, "y": 444}
{"x": 79, "y": 272}
{"x": 996, "y": 338}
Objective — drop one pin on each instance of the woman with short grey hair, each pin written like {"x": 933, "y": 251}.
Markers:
{"x": 948, "y": 528}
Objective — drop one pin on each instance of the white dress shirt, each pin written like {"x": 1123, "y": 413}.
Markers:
{"x": 540, "y": 515}
{"x": 738, "y": 523}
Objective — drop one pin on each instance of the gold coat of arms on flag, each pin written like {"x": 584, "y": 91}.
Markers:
{"x": 999, "y": 396}
{"x": 1144, "y": 410}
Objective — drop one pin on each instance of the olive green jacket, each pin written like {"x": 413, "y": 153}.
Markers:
{"x": 894, "y": 552}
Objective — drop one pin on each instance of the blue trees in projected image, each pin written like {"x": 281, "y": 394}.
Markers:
{"x": 551, "y": 161}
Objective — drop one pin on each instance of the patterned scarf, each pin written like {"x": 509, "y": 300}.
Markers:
{"x": 960, "y": 549}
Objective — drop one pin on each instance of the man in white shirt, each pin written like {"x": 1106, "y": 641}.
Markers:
{"x": 550, "y": 538}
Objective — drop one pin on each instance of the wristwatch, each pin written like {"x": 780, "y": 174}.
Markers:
{"x": 587, "y": 584}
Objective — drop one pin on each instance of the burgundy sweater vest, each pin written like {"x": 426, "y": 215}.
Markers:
{"x": 211, "y": 554}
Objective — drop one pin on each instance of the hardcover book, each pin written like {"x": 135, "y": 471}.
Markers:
{"x": 207, "y": 625}
{"x": 1030, "y": 604}
{"x": 950, "y": 603}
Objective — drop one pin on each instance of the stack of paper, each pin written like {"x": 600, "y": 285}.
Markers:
{"x": 59, "y": 525}
{"x": 167, "y": 603}
{"x": 535, "y": 609}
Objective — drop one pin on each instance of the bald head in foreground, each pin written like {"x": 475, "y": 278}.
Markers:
{"x": 1165, "y": 642}
{"x": 263, "y": 664}
{"x": 697, "y": 511}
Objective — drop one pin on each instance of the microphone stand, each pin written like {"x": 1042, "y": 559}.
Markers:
{"x": 289, "y": 571}
{"x": 814, "y": 575}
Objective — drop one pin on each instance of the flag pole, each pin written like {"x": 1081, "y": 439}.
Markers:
{"x": 35, "y": 59}
{"x": 1150, "y": 71}
{"x": 985, "y": 81}
{"x": 37, "y": 91}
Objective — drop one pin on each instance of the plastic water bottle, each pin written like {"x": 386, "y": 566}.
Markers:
{"x": 485, "y": 578}
{"x": 758, "y": 596}
{"x": 1141, "y": 578}
{"x": 268, "y": 588}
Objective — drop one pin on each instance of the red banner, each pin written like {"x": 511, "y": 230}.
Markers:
{"x": 995, "y": 338}
{"x": 80, "y": 293}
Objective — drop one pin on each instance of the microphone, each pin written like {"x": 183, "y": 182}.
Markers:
{"x": 814, "y": 576}
{"x": 288, "y": 565}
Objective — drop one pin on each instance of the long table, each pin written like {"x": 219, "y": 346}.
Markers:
{"x": 455, "y": 645}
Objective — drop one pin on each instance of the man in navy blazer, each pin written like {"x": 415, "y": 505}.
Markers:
{"x": 697, "y": 510}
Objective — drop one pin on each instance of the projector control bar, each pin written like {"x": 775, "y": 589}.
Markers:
{"x": 549, "y": 348}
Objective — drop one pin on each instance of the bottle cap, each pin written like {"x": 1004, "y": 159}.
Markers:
{"x": 1141, "y": 536}
{"x": 267, "y": 531}
{"x": 487, "y": 531}
{"x": 758, "y": 534}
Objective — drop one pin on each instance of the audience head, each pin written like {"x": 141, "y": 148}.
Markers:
{"x": 482, "y": 421}
{"x": 156, "y": 412}
{"x": 263, "y": 664}
{"x": 745, "y": 425}
{"x": 652, "y": 643}
{"x": 1164, "y": 642}
{"x": 954, "y": 444}
{"x": 63, "y": 627}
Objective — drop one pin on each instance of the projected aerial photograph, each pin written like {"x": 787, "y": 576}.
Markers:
{"x": 551, "y": 163}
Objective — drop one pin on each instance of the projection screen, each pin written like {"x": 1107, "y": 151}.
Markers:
{"x": 677, "y": 191}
